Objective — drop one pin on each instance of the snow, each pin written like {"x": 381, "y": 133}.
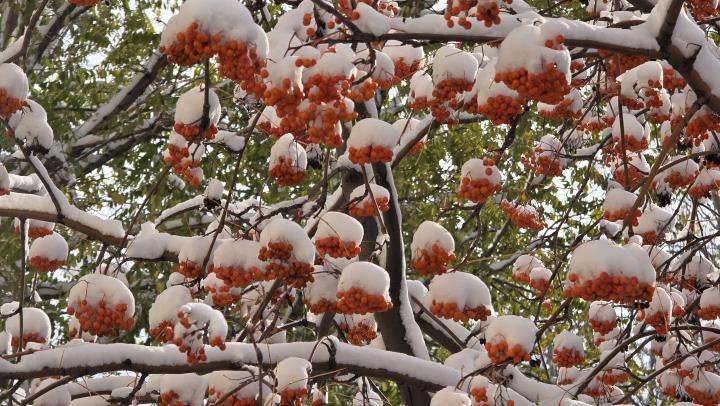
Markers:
{"x": 323, "y": 286}
{"x": 514, "y": 330}
{"x": 223, "y": 382}
{"x": 475, "y": 169}
{"x": 190, "y": 388}
{"x": 373, "y": 132}
{"x": 287, "y": 149}
{"x": 189, "y": 107}
{"x": 151, "y": 244}
{"x": 524, "y": 264}
{"x": 34, "y": 321}
{"x": 229, "y": 139}
{"x": 196, "y": 248}
{"x": 194, "y": 202}
{"x": 214, "y": 189}
{"x": 569, "y": 340}
{"x": 631, "y": 125}
{"x": 98, "y": 287}
{"x": 234, "y": 22}
{"x": 708, "y": 178}
{"x": 465, "y": 360}
{"x": 14, "y": 81}
{"x": 617, "y": 200}
{"x": 710, "y": 297}
{"x": 200, "y": 315}
{"x": 292, "y": 373}
{"x": 654, "y": 219}
{"x": 661, "y": 303}
{"x": 53, "y": 247}
{"x": 602, "y": 311}
{"x": 659, "y": 258}
{"x": 371, "y": 21}
{"x": 594, "y": 257}
{"x": 429, "y": 233}
{"x": 166, "y": 305}
{"x": 409, "y": 54}
{"x": 367, "y": 276}
{"x": 464, "y": 289}
{"x": 290, "y": 232}
{"x": 238, "y": 253}
{"x": 450, "y": 396}
{"x": 32, "y": 112}
{"x": 453, "y": 63}
{"x": 34, "y": 132}
{"x": 524, "y": 47}
{"x": 340, "y": 225}
{"x": 362, "y": 195}
{"x": 55, "y": 397}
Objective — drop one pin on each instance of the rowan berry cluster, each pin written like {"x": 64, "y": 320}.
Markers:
{"x": 620, "y": 289}
{"x": 567, "y": 357}
{"x": 367, "y": 208}
{"x": 285, "y": 172}
{"x": 9, "y": 105}
{"x": 450, "y": 310}
{"x": 431, "y": 262}
{"x": 103, "y": 319}
{"x": 356, "y": 300}
{"x": 522, "y": 216}
{"x": 499, "y": 351}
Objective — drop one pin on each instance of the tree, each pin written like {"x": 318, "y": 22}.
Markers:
{"x": 310, "y": 202}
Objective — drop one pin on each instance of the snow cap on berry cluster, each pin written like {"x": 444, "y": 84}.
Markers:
{"x": 373, "y": 132}
{"x": 462, "y": 288}
{"x": 429, "y": 233}
{"x": 98, "y": 287}
{"x": 367, "y": 276}
{"x": 290, "y": 232}
{"x": 167, "y": 304}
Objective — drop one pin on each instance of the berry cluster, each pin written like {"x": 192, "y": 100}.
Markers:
{"x": 190, "y": 269}
{"x": 188, "y": 342}
{"x": 451, "y": 311}
{"x": 285, "y": 172}
{"x": 549, "y": 86}
{"x": 370, "y": 154}
{"x": 103, "y": 319}
{"x": 321, "y": 306}
{"x": 603, "y": 326}
{"x": 281, "y": 265}
{"x": 29, "y": 337}
{"x": 431, "y": 262}
{"x": 567, "y": 357}
{"x": 336, "y": 248}
{"x": 366, "y": 207}
{"x": 500, "y": 109}
{"x": 706, "y": 397}
{"x": 708, "y": 312}
{"x": 232, "y": 400}
{"x": 620, "y": 289}
{"x": 170, "y": 398}
{"x": 163, "y": 332}
{"x": 292, "y": 397}
{"x": 621, "y": 215}
{"x": 42, "y": 264}
{"x": 224, "y": 295}
{"x": 703, "y": 190}
{"x": 359, "y": 333}
{"x": 237, "y": 276}
{"x": 543, "y": 162}
{"x": 522, "y": 216}
{"x": 9, "y": 104}
{"x": 357, "y": 301}
{"x": 499, "y": 351}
